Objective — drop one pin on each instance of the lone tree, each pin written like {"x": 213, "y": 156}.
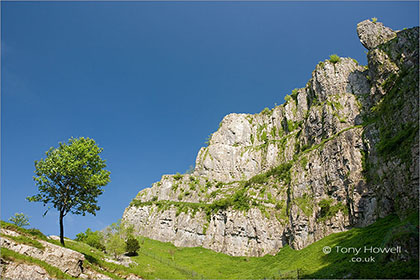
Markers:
{"x": 70, "y": 178}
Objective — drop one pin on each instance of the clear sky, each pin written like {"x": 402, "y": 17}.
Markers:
{"x": 149, "y": 81}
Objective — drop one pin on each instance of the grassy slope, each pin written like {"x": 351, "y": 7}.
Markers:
{"x": 165, "y": 261}
{"x": 310, "y": 261}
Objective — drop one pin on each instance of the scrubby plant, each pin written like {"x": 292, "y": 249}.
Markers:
{"x": 334, "y": 59}
{"x": 115, "y": 245}
{"x": 92, "y": 238}
{"x": 178, "y": 176}
{"x": 374, "y": 19}
{"x": 132, "y": 246}
{"x": 20, "y": 219}
{"x": 329, "y": 210}
{"x": 266, "y": 111}
{"x": 295, "y": 94}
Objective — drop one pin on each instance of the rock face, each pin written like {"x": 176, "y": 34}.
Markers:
{"x": 65, "y": 259}
{"x": 339, "y": 153}
{"x": 16, "y": 270}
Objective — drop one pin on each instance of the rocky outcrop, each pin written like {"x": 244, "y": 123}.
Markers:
{"x": 373, "y": 34}
{"x": 302, "y": 170}
{"x": 22, "y": 271}
{"x": 66, "y": 260}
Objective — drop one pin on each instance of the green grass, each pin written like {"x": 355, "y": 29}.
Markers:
{"x": 311, "y": 262}
{"x": 159, "y": 260}
{"x": 26, "y": 240}
{"x": 334, "y": 59}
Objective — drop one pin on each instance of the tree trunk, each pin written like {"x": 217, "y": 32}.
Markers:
{"x": 61, "y": 228}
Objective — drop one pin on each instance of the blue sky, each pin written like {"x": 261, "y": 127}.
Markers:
{"x": 149, "y": 81}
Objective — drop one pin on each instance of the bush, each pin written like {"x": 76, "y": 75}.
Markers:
{"x": 177, "y": 176}
{"x": 266, "y": 111}
{"x": 334, "y": 58}
{"x": 115, "y": 245}
{"x": 92, "y": 238}
{"x": 131, "y": 246}
{"x": 374, "y": 19}
{"x": 20, "y": 219}
{"x": 295, "y": 94}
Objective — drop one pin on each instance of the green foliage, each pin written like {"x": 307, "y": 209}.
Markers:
{"x": 334, "y": 59}
{"x": 20, "y": 219}
{"x": 287, "y": 98}
{"x": 115, "y": 245}
{"x": 273, "y": 132}
{"x": 291, "y": 125}
{"x": 70, "y": 178}
{"x": 303, "y": 162}
{"x": 264, "y": 137}
{"x": 266, "y": 111}
{"x": 305, "y": 203}
{"x": 178, "y": 176}
{"x": 208, "y": 139}
{"x": 329, "y": 210}
{"x": 281, "y": 173}
{"x": 174, "y": 187}
{"x": 395, "y": 138}
{"x": 295, "y": 94}
{"x": 132, "y": 246}
{"x": 391, "y": 144}
{"x": 92, "y": 238}
{"x": 374, "y": 19}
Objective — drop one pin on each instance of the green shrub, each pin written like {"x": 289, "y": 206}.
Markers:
{"x": 295, "y": 94}
{"x": 20, "y": 219}
{"x": 334, "y": 58}
{"x": 178, "y": 176}
{"x": 266, "y": 111}
{"x": 374, "y": 19}
{"x": 92, "y": 238}
{"x": 115, "y": 245}
{"x": 328, "y": 210}
{"x": 132, "y": 245}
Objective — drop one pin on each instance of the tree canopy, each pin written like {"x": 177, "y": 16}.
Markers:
{"x": 71, "y": 178}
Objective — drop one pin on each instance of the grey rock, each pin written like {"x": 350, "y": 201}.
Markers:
{"x": 372, "y": 34}
{"x": 22, "y": 271}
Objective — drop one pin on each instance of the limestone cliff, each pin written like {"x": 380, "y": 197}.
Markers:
{"x": 340, "y": 152}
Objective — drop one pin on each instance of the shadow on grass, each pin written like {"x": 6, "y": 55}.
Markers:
{"x": 357, "y": 257}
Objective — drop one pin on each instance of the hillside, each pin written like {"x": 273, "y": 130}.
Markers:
{"x": 28, "y": 254}
{"x": 339, "y": 153}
